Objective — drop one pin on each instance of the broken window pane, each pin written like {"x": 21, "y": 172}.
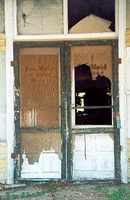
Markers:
{"x": 86, "y": 16}
{"x": 39, "y": 86}
{"x": 40, "y": 17}
{"x": 2, "y": 16}
{"x": 92, "y": 68}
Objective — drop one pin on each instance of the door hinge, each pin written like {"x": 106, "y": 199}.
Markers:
{"x": 13, "y": 63}
{"x": 119, "y": 60}
{"x": 121, "y": 148}
{"x": 14, "y": 156}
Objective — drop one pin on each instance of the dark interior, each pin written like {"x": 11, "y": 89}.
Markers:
{"x": 96, "y": 98}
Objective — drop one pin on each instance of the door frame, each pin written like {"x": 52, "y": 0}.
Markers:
{"x": 17, "y": 148}
{"x": 66, "y": 126}
{"x": 115, "y": 129}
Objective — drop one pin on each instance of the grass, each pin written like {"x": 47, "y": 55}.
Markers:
{"x": 110, "y": 191}
{"x": 117, "y": 192}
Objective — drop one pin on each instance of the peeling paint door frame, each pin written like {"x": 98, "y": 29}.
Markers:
{"x": 63, "y": 128}
{"x": 66, "y": 127}
{"x": 115, "y": 129}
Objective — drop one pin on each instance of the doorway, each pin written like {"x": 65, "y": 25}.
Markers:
{"x": 66, "y": 110}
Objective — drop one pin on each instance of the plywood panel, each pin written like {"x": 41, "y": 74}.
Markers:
{"x": 41, "y": 155}
{"x": 34, "y": 143}
{"x": 39, "y": 88}
{"x": 99, "y": 58}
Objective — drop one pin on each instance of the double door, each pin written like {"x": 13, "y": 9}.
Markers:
{"x": 65, "y": 107}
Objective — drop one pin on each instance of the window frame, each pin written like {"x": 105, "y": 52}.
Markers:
{"x": 66, "y": 34}
{"x": 114, "y": 86}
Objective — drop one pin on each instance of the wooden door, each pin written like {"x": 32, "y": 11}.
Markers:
{"x": 40, "y": 116}
{"x": 94, "y": 110}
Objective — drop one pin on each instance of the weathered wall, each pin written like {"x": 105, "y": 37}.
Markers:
{"x": 129, "y": 158}
{"x": 128, "y": 105}
{"x": 3, "y": 145}
{"x": 127, "y": 78}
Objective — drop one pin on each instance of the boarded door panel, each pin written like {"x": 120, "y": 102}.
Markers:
{"x": 40, "y": 88}
{"x": 43, "y": 142}
{"x": 39, "y": 113}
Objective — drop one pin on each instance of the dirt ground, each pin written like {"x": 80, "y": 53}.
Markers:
{"x": 58, "y": 191}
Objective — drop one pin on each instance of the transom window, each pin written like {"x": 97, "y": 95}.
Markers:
{"x": 57, "y": 16}
{"x": 40, "y": 17}
{"x": 91, "y": 16}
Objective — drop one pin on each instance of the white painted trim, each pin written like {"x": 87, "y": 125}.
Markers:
{"x": 122, "y": 96}
{"x": 87, "y": 36}
{"x": 9, "y": 26}
{"x": 15, "y": 16}
{"x": 65, "y": 16}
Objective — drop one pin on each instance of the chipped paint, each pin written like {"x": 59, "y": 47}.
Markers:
{"x": 48, "y": 166}
{"x": 34, "y": 143}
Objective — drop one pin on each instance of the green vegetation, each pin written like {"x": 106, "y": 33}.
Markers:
{"x": 115, "y": 192}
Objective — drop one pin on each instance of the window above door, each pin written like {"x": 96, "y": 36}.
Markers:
{"x": 85, "y": 16}
{"x": 65, "y": 18}
{"x": 40, "y": 17}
